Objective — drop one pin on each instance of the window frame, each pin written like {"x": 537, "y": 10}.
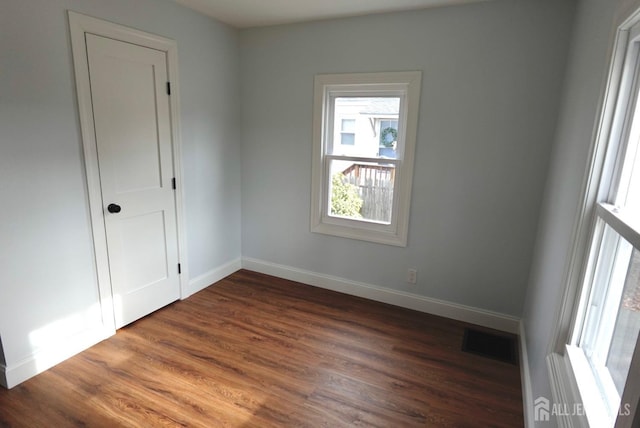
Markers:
{"x": 407, "y": 85}
{"x": 593, "y": 327}
{"x": 600, "y": 188}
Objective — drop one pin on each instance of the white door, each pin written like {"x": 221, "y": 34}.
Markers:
{"x": 133, "y": 136}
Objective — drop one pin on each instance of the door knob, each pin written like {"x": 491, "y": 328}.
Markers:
{"x": 114, "y": 208}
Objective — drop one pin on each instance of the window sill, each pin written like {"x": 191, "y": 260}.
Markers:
{"x": 362, "y": 233}
{"x": 592, "y": 401}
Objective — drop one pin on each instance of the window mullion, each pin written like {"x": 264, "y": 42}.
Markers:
{"x": 624, "y": 224}
{"x": 395, "y": 162}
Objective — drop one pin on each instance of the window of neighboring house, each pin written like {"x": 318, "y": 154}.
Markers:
{"x": 348, "y": 132}
{"x": 388, "y": 132}
{"x": 359, "y": 192}
{"x": 608, "y": 319}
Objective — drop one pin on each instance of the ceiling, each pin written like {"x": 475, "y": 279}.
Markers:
{"x": 257, "y": 13}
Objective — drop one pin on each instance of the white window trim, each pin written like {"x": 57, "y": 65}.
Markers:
{"x": 592, "y": 187}
{"x": 596, "y": 411}
{"x": 565, "y": 359}
{"x": 354, "y": 83}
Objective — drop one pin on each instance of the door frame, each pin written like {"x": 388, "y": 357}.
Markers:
{"x": 79, "y": 25}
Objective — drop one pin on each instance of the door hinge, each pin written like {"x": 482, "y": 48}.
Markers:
{"x": 168, "y": 88}
{"x": 179, "y": 269}
{"x": 173, "y": 183}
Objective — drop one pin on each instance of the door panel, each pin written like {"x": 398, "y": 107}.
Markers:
{"x": 131, "y": 118}
{"x": 144, "y": 255}
{"x": 133, "y": 137}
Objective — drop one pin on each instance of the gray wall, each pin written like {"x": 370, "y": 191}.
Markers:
{"x": 584, "y": 83}
{"x": 46, "y": 266}
{"x": 492, "y": 75}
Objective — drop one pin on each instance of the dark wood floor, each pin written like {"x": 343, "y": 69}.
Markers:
{"x": 256, "y": 351}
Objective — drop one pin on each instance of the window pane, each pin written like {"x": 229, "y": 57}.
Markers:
{"x": 613, "y": 320}
{"x": 348, "y": 125}
{"x": 361, "y": 190}
{"x": 628, "y": 192}
{"x": 627, "y": 325}
{"x": 347, "y": 139}
{"x": 360, "y": 122}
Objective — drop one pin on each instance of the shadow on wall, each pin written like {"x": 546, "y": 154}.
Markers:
{"x": 3, "y": 366}
{"x": 2, "y": 360}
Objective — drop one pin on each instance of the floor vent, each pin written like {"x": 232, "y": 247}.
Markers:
{"x": 490, "y": 345}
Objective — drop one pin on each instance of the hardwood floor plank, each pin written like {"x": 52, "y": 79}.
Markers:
{"x": 257, "y": 351}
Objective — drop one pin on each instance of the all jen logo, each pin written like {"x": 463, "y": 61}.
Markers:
{"x": 541, "y": 409}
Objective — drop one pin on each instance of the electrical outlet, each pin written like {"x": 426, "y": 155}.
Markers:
{"x": 412, "y": 276}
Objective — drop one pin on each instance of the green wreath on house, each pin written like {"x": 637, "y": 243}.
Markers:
{"x": 384, "y": 136}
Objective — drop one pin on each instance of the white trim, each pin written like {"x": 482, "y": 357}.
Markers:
{"x": 209, "y": 278}
{"x": 565, "y": 392}
{"x": 78, "y": 26}
{"x": 578, "y": 373}
{"x": 51, "y": 355}
{"x": 403, "y": 299}
{"x": 559, "y": 382}
{"x": 525, "y": 378}
{"x": 178, "y": 170}
{"x": 625, "y": 224}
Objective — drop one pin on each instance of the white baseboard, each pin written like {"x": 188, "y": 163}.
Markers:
{"x": 403, "y": 299}
{"x": 525, "y": 379}
{"x": 203, "y": 281}
{"x": 49, "y": 356}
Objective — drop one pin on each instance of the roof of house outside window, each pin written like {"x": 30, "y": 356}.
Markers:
{"x": 373, "y": 106}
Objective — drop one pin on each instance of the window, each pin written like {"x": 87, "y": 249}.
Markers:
{"x": 364, "y": 141}
{"x": 348, "y": 132}
{"x": 607, "y": 320}
{"x": 388, "y": 132}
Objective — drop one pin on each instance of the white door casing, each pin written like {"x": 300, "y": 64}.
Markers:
{"x": 132, "y": 152}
